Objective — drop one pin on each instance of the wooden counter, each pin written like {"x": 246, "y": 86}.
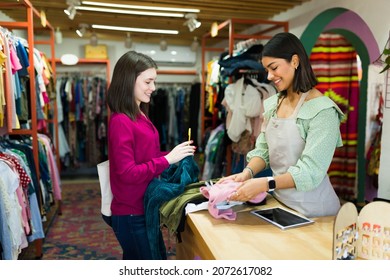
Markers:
{"x": 251, "y": 238}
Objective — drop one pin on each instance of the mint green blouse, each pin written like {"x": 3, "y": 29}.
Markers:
{"x": 318, "y": 122}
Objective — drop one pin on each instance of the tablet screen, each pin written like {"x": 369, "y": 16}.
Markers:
{"x": 282, "y": 218}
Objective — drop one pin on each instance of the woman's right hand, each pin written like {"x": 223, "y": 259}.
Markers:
{"x": 239, "y": 177}
{"x": 180, "y": 151}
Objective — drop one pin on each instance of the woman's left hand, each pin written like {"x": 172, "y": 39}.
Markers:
{"x": 249, "y": 189}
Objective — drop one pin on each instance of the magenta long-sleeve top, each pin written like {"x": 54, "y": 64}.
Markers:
{"x": 135, "y": 159}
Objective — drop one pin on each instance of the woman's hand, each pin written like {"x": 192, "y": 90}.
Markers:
{"x": 249, "y": 189}
{"x": 239, "y": 177}
{"x": 180, "y": 151}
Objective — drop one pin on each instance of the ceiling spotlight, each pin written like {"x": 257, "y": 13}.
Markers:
{"x": 58, "y": 35}
{"x": 163, "y": 44}
{"x": 93, "y": 41}
{"x": 128, "y": 41}
{"x": 195, "y": 44}
{"x": 82, "y": 29}
{"x": 71, "y": 10}
{"x": 191, "y": 22}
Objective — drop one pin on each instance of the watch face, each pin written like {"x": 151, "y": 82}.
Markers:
{"x": 271, "y": 184}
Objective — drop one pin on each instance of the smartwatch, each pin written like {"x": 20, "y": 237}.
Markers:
{"x": 271, "y": 184}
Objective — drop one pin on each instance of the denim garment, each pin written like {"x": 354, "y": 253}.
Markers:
{"x": 130, "y": 230}
{"x": 241, "y": 64}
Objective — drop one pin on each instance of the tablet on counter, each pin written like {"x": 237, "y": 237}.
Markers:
{"x": 282, "y": 218}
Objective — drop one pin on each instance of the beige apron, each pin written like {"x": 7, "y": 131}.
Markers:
{"x": 285, "y": 148}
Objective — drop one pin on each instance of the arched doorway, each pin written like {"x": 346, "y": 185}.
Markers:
{"x": 355, "y": 30}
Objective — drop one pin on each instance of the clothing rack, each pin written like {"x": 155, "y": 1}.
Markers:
{"x": 29, "y": 26}
{"x": 61, "y": 74}
{"x": 73, "y": 71}
{"x": 268, "y": 27}
{"x": 187, "y": 85}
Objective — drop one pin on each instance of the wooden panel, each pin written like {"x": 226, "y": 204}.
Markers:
{"x": 210, "y": 11}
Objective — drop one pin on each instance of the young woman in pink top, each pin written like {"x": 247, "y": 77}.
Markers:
{"x": 134, "y": 150}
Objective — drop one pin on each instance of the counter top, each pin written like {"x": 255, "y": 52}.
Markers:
{"x": 250, "y": 237}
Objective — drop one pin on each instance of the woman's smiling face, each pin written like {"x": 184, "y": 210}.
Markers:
{"x": 145, "y": 86}
{"x": 280, "y": 72}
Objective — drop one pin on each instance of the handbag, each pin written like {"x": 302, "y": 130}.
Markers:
{"x": 105, "y": 187}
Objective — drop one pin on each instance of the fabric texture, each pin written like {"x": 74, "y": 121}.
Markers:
{"x": 334, "y": 62}
{"x": 172, "y": 212}
{"x": 220, "y": 193}
{"x": 171, "y": 184}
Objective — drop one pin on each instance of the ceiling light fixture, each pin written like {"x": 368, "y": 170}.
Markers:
{"x": 129, "y": 12}
{"x": 163, "y": 44}
{"x": 82, "y": 29}
{"x": 195, "y": 44}
{"x": 191, "y": 22}
{"x": 93, "y": 41}
{"x": 214, "y": 29}
{"x": 69, "y": 59}
{"x": 123, "y": 6}
{"x": 128, "y": 41}
{"x": 43, "y": 18}
{"x": 58, "y": 36}
{"x": 71, "y": 10}
{"x": 132, "y": 29}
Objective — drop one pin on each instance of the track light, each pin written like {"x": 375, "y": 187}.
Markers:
{"x": 163, "y": 44}
{"x": 128, "y": 41}
{"x": 82, "y": 29}
{"x": 71, "y": 10}
{"x": 58, "y": 35}
{"x": 191, "y": 22}
{"x": 195, "y": 44}
{"x": 93, "y": 41}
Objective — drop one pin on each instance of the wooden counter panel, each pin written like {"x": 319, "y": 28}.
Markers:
{"x": 249, "y": 237}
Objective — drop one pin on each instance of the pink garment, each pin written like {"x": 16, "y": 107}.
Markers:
{"x": 15, "y": 62}
{"x": 54, "y": 172}
{"x": 221, "y": 192}
{"x": 46, "y": 98}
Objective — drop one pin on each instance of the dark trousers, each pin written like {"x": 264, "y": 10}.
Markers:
{"x": 130, "y": 230}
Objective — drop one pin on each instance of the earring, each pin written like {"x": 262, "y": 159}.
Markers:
{"x": 296, "y": 67}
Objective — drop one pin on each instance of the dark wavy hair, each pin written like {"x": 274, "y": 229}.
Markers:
{"x": 285, "y": 45}
{"x": 120, "y": 94}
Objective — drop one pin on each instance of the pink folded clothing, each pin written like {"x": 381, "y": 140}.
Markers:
{"x": 219, "y": 194}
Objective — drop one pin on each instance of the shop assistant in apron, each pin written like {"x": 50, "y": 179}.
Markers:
{"x": 285, "y": 148}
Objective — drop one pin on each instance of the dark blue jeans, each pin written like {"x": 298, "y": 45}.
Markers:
{"x": 130, "y": 230}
